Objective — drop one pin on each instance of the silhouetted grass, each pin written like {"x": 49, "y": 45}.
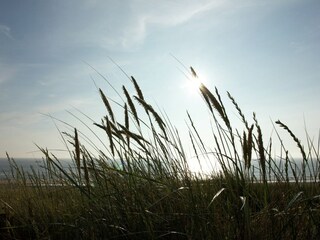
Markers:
{"x": 141, "y": 187}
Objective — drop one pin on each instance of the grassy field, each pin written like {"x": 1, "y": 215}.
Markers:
{"x": 141, "y": 187}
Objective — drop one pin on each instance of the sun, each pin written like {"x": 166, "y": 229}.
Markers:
{"x": 194, "y": 83}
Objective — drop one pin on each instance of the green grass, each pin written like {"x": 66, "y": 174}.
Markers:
{"x": 141, "y": 187}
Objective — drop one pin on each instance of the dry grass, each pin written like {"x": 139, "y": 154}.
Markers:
{"x": 142, "y": 187}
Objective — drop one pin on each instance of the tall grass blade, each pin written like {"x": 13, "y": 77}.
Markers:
{"x": 137, "y": 88}
{"x": 294, "y": 200}
{"x": 77, "y": 152}
{"x": 107, "y": 105}
{"x": 131, "y": 106}
{"x": 216, "y": 195}
{"x": 149, "y": 108}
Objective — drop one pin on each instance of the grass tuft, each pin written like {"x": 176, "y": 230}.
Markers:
{"x": 142, "y": 187}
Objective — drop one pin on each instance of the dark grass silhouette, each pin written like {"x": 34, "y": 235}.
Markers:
{"x": 140, "y": 186}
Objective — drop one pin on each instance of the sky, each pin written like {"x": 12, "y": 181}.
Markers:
{"x": 265, "y": 53}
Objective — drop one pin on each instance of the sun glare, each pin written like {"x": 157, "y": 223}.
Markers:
{"x": 204, "y": 165}
{"x": 193, "y": 84}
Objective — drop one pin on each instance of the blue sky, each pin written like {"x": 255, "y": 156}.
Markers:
{"x": 266, "y": 53}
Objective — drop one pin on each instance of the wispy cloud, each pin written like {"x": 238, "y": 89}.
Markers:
{"x": 7, "y": 73}
{"x": 33, "y": 116}
{"x": 104, "y": 28}
{"x": 152, "y": 14}
{"x": 18, "y": 118}
{"x": 146, "y": 15}
{"x": 61, "y": 106}
{"x": 171, "y": 13}
{"x": 6, "y": 31}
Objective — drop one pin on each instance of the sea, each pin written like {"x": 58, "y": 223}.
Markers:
{"x": 28, "y": 165}
{"x": 312, "y": 171}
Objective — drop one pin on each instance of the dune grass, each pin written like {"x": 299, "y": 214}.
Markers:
{"x": 141, "y": 186}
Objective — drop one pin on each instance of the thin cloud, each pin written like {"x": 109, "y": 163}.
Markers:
{"x": 105, "y": 29}
{"x": 148, "y": 14}
{"x": 18, "y": 118}
{"x": 36, "y": 114}
{"x": 7, "y": 73}
{"x": 62, "y": 106}
{"x": 172, "y": 13}
{"x": 6, "y": 31}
